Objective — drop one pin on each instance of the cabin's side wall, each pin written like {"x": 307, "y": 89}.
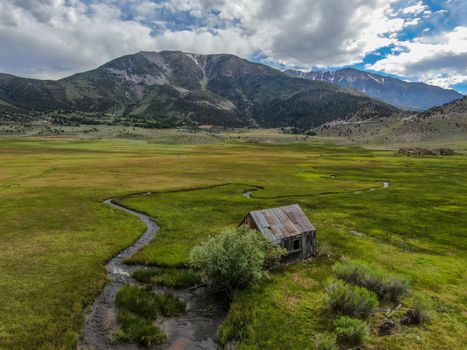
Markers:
{"x": 293, "y": 254}
{"x": 314, "y": 246}
{"x": 305, "y": 246}
{"x": 310, "y": 244}
{"x": 248, "y": 220}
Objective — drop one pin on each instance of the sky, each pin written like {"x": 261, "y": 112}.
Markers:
{"x": 419, "y": 40}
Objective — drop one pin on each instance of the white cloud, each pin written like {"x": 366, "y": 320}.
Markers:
{"x": 439, "y": 60}
{"x": 412, "y": 22}
{"x": 303, "y": 32}
{"x": 418, "y": 8}
{"x": 446, "y": 81}
{"x": 204, "y": 42}
{"x": 54, "y": 38}
{"x": 50, "y": 40}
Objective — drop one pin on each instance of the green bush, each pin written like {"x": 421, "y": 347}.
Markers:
{"x": 273, "y": 253}
{"x": 145, "y": 303}
{"x": 394, "y": 287}
{"x": 353, "y": 272}
{"x": 233, "y": 259}
{"x": 345, "y": 299}
{"x": 134, "y": 329}
{"x": 350, "y": 331}
{"x": 325, "y": 341}
{"x": 388, "y": 287}
{"x": 172, "y": 277}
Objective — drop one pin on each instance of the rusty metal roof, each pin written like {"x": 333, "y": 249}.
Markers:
{"x": 282, "y": 222}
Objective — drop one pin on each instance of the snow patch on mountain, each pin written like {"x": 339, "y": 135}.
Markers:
{"x": 204, "y": 81}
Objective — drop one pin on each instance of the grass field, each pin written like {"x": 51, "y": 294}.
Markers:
{"x": 55, "y": 234}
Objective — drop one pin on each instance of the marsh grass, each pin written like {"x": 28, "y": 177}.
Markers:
{"x": 169, "y": 277}
{"x": 237, "y": 326}
{"x": 138, "y": 307}
{"x": 134, "y": 329}
{"x": 52, "y": 268}
{"x": 169, "y": 305}
{"x": 147, "y": 304}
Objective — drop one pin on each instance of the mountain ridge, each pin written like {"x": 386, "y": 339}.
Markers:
{"x": 415, "y": 96}
{"x": 177, "y": 88}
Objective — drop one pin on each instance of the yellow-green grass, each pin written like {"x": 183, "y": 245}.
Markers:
{"x": 415, "y": 228}
{"x": 55, "y": 235}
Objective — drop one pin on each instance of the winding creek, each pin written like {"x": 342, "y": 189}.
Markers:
{"x": 196, "y": 329}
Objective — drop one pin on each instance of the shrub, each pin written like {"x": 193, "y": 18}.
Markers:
{"x": 350, "y": 331}
{"x": 233, "y": 259}
{"x": 273, "y": 253}
{"x": 174, "y": 278}
{"x": 345, "y": 299}
{"x": 356, "y": 273}
{"x": 324, "y": 249}
{"x": 145, "y": 303}
{"x": 388, "y": 287}
{"x": 325, "y": 341}
{"x": 137, "y": 330}
{"x": 421, "y": 312}
{"x": 394, "y": 287}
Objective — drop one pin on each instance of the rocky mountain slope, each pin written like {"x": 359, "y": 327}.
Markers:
{"x": 176, "y": 88}
{"x": 399, "y": 93}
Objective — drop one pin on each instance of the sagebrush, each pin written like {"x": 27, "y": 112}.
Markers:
{"x": 325, "y": 341}
{"x": 350, "y": 331}
{"x": 346, "y": 299}
{"x": 389, "y": 287}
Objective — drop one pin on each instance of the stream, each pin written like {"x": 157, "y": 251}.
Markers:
{"x": 193, "y": 330}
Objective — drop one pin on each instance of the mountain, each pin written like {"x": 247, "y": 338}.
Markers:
{"x": 176, "y": 88}
{"x": 399, "y": 93}
{"x": 443, "y": 123}
{"x": 457, "y": 108}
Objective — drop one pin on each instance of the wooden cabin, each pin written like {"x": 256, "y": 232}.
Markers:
{"x": 286, "y": 226}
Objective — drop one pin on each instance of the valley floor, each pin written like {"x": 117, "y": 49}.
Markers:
{"x": 56, "y": 235}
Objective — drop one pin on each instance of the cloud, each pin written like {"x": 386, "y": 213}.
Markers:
{"x": 418, "y": 8}
{"x": 303, "y": 32}
{"x": 47, "y": 39}
{"x": 439, "y": 60}
{"x": 54, "y": 38}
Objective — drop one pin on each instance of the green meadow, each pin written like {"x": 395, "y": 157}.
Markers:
{"x": 56, "y": 235}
